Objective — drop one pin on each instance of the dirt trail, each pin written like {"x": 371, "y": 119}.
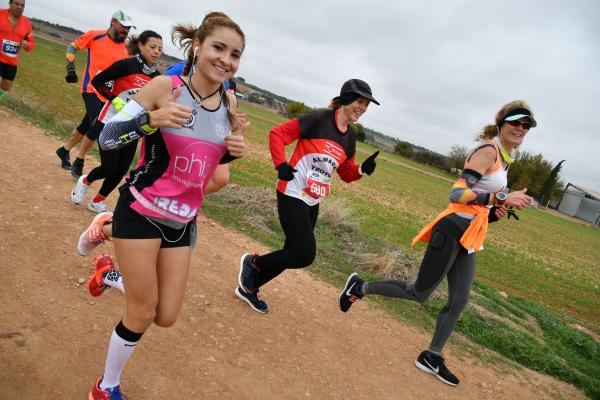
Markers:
{"x": 53, "y": 334}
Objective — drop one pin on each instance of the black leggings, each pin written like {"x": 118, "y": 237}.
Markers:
{"x": 298, "y": 221}
{"x": 114, "y": 164}
{"x": 444, "y": 257}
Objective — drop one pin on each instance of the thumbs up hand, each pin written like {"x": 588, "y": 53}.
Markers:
{"x": 236, "y": 143}
{"x": 171, "y": 114}
{"x": 368, "y": 166}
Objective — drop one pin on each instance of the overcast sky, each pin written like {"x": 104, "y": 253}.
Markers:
{"x": 440, "y": 69}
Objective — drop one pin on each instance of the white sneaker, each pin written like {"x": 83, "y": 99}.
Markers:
{"x": 93, "y": 235}
{"x": 80, "y": 190}
{"x": 97, "y": 207}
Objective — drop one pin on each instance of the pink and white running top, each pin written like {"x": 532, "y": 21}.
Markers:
{"x": 176, "y": 164}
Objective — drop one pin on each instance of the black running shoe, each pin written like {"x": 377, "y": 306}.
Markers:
{"x": 253, "y": 299}
{"x": 248, "y": 273}
{"x": 63, "y": 154}
{"x": 77, "y": 168}
{"x": 434, "y": 364}
{"x": 349, "y": 293}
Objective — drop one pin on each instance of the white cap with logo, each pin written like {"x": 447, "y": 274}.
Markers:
{"x": 122, "y": 18}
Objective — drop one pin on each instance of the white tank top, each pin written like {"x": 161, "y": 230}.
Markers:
{"x": 494, "y": 179}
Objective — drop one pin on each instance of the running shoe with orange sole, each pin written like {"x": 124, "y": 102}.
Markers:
{"x": 93, "y": 235}
{"x": 102, "y": 264}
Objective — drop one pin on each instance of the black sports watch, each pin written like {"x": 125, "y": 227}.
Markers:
{"x": 143, "y": 121}
{"x": 499, "y": 198}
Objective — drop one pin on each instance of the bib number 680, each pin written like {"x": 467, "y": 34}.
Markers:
{"x": 318, "y": 190}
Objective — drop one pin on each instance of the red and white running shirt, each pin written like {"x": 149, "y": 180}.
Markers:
{"x": 322, "y": 149}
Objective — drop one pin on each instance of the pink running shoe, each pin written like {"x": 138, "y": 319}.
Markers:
{"x": 93, "y": 235}
{"x": 113, "y": 393}
{"x": 102, "y": 264}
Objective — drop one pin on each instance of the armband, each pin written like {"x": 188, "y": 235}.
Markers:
{"x": 71, "y": 50}
{"x": 118, "y": 103}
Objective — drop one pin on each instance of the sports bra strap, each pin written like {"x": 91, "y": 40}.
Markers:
{"x": 177, "y": 81}
{"x": 489, "y": 143}
{"x": 479, "y": 148}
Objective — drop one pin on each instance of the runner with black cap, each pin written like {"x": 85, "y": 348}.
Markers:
{"x": 477, "y": 198}
{"x": 326, "y": 143}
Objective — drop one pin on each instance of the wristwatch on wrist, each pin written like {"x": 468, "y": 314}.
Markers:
{"x": 499, "y": 198}
{"x": 143, "y": 121}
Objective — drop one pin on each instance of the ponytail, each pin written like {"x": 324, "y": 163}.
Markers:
{"x": 133, "y": 45}
{"x": 335, "y": 103}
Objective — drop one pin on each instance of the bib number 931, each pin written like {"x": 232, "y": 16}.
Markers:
{"x": 10, "y": 48}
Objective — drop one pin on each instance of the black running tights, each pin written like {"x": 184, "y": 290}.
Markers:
{"x": 444, "y": 257}
{"x": 114, "y": 164}
{"x": 298, "y": 221}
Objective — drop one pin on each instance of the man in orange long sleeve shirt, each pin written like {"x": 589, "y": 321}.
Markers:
{"x": 15, "y": 33}
{"x": 104, "y": 48}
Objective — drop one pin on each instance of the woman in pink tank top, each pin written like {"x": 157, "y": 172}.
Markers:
{"x": 187, "y": 124}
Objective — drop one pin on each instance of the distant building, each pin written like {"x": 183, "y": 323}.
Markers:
{"x": 242, "y": 96}
{"x": 581, "y": 203}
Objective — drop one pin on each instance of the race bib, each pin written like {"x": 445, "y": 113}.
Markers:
{"x": 10, "y": 48}
{"x": 317, "y": 186}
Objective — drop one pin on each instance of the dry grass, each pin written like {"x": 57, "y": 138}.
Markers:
{"x": 260, "y": 203}
{"x": 338, "y": 215}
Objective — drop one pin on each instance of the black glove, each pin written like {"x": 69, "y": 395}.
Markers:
{"x": 71, "y": 74}
{"x": 368, "y": 166}
{"x": 512, "y": 213}
{"x": 285, "y": 172}
{"x": 493, "y": 218}
{"x": 492, "y": 215}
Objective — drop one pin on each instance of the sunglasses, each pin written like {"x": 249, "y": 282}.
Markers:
{"x": 525, "y": 125}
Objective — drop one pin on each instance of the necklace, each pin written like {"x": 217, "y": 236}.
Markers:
{"x": 198, "y": 94}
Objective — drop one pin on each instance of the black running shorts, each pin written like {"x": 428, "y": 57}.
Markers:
{"x": 93, "y": 106}
{"x": 7, "y": 71}
{"x": 129, "y": 224}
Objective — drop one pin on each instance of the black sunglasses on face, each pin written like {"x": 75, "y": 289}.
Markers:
{"x": 525, "y": 125}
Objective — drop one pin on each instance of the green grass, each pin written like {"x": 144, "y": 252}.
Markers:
{"x": 548, "y": 266}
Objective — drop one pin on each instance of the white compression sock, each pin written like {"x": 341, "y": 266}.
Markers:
{"x": 119, "y": 352}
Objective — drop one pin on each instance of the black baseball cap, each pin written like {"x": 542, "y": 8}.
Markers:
{"x": 358, "y": 87}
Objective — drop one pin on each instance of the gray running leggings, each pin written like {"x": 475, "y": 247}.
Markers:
{"x": 444, "y": 256}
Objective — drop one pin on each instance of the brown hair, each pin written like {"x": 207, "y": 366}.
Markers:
{"x": 183, "y": 35}
{"x": 335, "y": 103}
{"x": 491, "y": 131}
{"x": 133, "y": 45}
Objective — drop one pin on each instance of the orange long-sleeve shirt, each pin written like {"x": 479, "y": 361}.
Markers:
{"x": 11, "y": 39}
{"x": 102, "y": 52}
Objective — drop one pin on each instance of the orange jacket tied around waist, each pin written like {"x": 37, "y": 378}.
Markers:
{"x": 474, "y": 236}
